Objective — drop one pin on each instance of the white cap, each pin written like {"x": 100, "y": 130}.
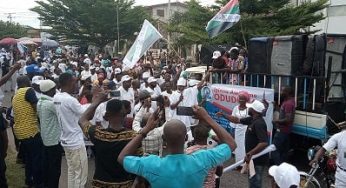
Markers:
{"x": 193, "y": 82}
{"x": 151, "y": 79}
{"x": 146, "y": 75}
{"x": 234, "y": 48}
{"x": 37, "y": 80}
{"x": 97, "y": 68}
{"x": 92, "y": 67}
{"x": 216, "y": 54}
{"x": 47, "y": 85}
{"x": 74, "y": 63}
{"x": 117, "y": 71}
{"x": 181, "y": 82}
{"x": 86, "y": 55}
{"x": 125, "y": 78}
{"x": 285, "y": 175}
{"x": 256, "y": 105}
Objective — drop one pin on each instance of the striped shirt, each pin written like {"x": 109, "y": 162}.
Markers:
{"x": 25, "y": 118}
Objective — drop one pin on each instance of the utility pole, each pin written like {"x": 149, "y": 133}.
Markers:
{"x": 118, "y": 40}
{"x": 168, "y": 34}
{"x": 10, "y": 17}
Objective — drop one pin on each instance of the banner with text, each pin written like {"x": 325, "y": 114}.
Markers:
{"x": 220, "y": 97}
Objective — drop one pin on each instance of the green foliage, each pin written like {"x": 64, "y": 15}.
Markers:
{"x": 91, "y": 21}
{"x": 13, "y": 30}
{"x": 258, "y": 18}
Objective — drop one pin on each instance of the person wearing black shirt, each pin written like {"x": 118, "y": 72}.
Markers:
{"x": 256, "y": 140}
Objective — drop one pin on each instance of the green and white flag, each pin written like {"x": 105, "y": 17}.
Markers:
{"x": 224, "y": 19}
{"x": 145, "y": 39}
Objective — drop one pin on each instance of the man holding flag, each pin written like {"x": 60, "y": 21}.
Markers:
{"x": 228, "y": 16}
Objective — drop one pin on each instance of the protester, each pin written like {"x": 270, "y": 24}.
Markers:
{"x": 27, "y": 131}
{"x": 200, "y": 134}
{"x": 69, "y": 111}
{"x": 338, "y": 141}
{"x": 240, "y": 111}
{"x": 189, "y": 170}
{"x": 108, "y": 143}
{"x": 126, "y": 92}
{"x": 256, "y": 140}
{"x": 50, "y": 132}
{"x": 283, "y": 126}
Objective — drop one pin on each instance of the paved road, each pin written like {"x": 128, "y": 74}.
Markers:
{"x": 233, "y": 179}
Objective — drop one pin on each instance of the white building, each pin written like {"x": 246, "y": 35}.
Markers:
{"x": 160, "y": 11}
{"x": 335, "y": 21}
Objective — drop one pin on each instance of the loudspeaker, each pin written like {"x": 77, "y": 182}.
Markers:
{"x": 287, "y": 55}
{"x": 260, "y": 49}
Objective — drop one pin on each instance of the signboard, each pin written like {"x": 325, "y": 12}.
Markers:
{"x": 221, "y": 97}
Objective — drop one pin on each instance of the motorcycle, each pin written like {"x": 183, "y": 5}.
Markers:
{"x": 321, "y": 174}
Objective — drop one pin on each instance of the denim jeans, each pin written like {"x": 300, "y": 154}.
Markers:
{"x": 281, "y": 142}
{"x": 33, "y": 152}
{"x": 256, "y": 180}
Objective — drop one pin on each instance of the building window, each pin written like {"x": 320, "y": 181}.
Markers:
{"x": 160, "y": 12}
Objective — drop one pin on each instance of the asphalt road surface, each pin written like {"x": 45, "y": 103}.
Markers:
{"x": 231, "y": 179}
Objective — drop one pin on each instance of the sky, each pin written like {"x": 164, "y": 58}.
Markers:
{"x": 20, "y": 13}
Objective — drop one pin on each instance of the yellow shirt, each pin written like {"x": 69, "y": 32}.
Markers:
{"x": 25, "y": 117}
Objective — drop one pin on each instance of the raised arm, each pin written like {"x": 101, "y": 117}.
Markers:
{"x": 7, "y": 76}
{"x": 132, "y": 147}
{"x": 89, "y": 113}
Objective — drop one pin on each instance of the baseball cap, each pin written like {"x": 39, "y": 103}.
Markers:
{"x": 256, "y": 105}
{"x": 36, "y": 80}
{"x": 216, "y": 54}
{"x": 46, "y": 85}
{"x": 151, "y": 79}
{"x": 193, "y": 82}
{"x": 125, "y": 78}
{"x": 32, "y": 69}
{"x": 285, "y": 175}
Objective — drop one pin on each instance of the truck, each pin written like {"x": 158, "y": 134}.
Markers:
{"x": 315, "y": 66}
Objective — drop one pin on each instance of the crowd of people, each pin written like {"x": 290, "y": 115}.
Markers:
{"x": 135, "y": 122}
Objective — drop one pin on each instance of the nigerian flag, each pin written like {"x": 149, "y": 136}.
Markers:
{"x": 224, "y": 19}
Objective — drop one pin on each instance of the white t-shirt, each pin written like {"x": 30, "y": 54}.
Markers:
{"x": 239, "y": 114}
{"x": 128, "y": 95}
{"x": 62, "y": 67}
{"x": 154, "y": 92}
{"x": 338, "y": 141}
{"x": 99, "y": 114}
{"x": 190, "y": 99}
{"x": 93, "y": 78}
{"x": 85, "y": 73}
{"x": 69, "y": 110}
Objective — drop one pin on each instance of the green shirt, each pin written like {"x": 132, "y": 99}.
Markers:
{"x": 49, "y": 125}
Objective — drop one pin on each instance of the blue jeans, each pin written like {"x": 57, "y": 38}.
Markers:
{"x": 282, "y": 144}
{"x": 256, "y": 180}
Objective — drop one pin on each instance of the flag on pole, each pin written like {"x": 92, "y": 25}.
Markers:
{"x": 224, "y": 19}
{"x": 145, "y": 39}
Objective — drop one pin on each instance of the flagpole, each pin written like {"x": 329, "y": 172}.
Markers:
{"x": 242, "y": 33}
{"x": 168, "y": 34}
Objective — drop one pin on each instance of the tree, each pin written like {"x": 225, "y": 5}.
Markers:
{"x": 12, "y": 30}
{"x": 258, "y": 18}
{"x": 91, "y": 21}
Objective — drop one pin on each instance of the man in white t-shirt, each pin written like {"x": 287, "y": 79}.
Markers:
{"x": 69, "y": 111}
{"x": 153, "y": 88}
{"x": 336, "y": 141}
{"x": 127, "y": 93}
{"x": 87, "y": 59}
{"x": 86, "y": 72}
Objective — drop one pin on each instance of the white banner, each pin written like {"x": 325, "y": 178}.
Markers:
{"x": 145, "y": 39}
{"x": 221, "y": 97}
